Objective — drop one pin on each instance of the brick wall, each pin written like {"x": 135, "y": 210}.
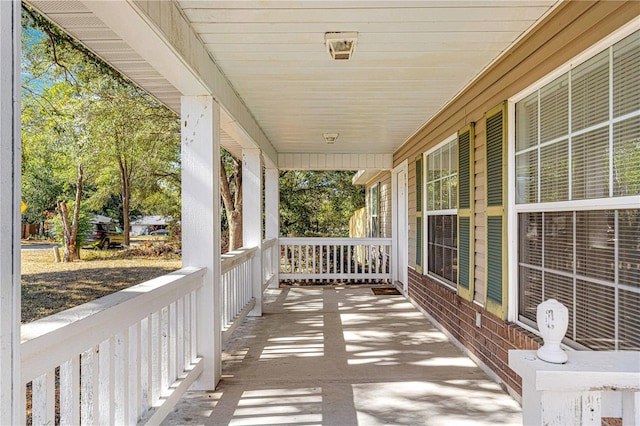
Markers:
{"x": 490, "y": 343}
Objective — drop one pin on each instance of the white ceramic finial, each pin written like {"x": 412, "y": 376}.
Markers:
{"x": 553, "y": 320}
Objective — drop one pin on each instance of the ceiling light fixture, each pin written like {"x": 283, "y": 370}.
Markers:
{"x": 330, "y": 138}
{"x": 341, "y": 45}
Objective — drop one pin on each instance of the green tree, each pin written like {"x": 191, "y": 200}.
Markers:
{"x": 87, "y": 128}
{"x": 140, "y": 142}
{"x": 55, "y": 136}
{"x": 319, "y": 203}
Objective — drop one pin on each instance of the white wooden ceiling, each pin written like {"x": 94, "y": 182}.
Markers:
{"x": 411, "y": 58}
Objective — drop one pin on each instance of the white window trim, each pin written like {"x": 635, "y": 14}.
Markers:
{"x": 425, "y": 214}
{"x": 617, "y": 203}
{"x": 374, "y": 188}
{"x": 395, "y": 224}
{"x": 512, "y": 215}
{"x": 590, "y": 204}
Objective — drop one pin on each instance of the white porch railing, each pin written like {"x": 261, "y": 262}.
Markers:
{"x": 335, "y": 259}
{"x": 237, "y": 294}
{"x": 121, "y": 359}
{"x": 270, "y": 259}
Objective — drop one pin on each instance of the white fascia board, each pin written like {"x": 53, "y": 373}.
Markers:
{"x": 140, "y": 33}
{"x": 158, "y": 32}
{"x": 366, "y": 177}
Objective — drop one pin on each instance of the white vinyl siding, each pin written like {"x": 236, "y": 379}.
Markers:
{"x": 577, "y": 167}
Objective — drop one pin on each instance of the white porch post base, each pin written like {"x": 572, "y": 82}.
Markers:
{"x": 252, "y": 218}
{"x": 200, "y": 119}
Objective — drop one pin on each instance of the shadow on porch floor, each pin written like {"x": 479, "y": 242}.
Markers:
{"x": 344, "y": 356}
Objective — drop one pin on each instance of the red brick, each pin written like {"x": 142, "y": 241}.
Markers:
{"x": 515, "y": 386}
{"x": 489, "y": 343}
{"x": 507, "y": 345}
{"x": 485, "y": 332}
{"x": 512, "y": 374}
{"x": 503, "y": 355}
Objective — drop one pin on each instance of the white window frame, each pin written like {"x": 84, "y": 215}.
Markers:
{"x": 425, "y": 212}
{"x": 618, "y": 203}
{"x": 375, "y": 188}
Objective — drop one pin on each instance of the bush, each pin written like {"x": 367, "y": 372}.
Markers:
{"x": 169, "y": 249}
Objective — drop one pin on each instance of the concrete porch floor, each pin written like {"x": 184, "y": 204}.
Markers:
{"x": 344, "y": 356}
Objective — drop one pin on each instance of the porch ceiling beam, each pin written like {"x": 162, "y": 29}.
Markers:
{"x": 161, "y": 35}
{"x": 324, "y": 161}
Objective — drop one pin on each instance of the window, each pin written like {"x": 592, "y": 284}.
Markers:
{"x": 441, "y": 212}
{"x": 577, "y": 166}
{"x": 374, "y": 211}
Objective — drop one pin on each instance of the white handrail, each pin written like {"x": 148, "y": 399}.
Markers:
{"x": 234, "y": 258}
{"x": 335, "y": 240}
{"x": 118, "y": 356}
{"x": 267, "y": 244}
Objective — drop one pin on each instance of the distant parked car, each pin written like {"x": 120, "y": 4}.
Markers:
{"x": 160, "y": 233}
{"x": 105, "y": 235}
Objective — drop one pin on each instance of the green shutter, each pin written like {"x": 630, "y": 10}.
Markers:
{"x": 466, "y": 202}
{"x": 419, "y": 224}
{"x": 463, "y": 254}
{"x": 494, "y": 159}
{"x": 464, "y": 168}
{"x": 496, "y": 196}
{"x": 419, "y": 244}
{"x": 494, "y": 259}
{"x": 419, "y": 184}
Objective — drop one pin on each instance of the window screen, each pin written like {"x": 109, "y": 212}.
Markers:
{"x": 578, "y": 139}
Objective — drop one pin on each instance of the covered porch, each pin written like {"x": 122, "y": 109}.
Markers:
{"x": 341, "y": 355}
{"x": 255, "y": 77}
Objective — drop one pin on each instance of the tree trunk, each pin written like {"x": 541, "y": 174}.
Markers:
{"x": 125, "y": 193}
{"x": 76, "y": 211}
{"x": 235, "y": 229}
{"x": 232, "y": 201}
{"x": 125, "y": 218}
{"x": 70, "y": 230}
{"x": 69, "y": 244}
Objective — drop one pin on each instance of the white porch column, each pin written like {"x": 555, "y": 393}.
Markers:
{"x": 201, "y": 223}
{"x": 11, "y": 394}
{"x": 252, "y": 218}
{"x": 272, "y": 217}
